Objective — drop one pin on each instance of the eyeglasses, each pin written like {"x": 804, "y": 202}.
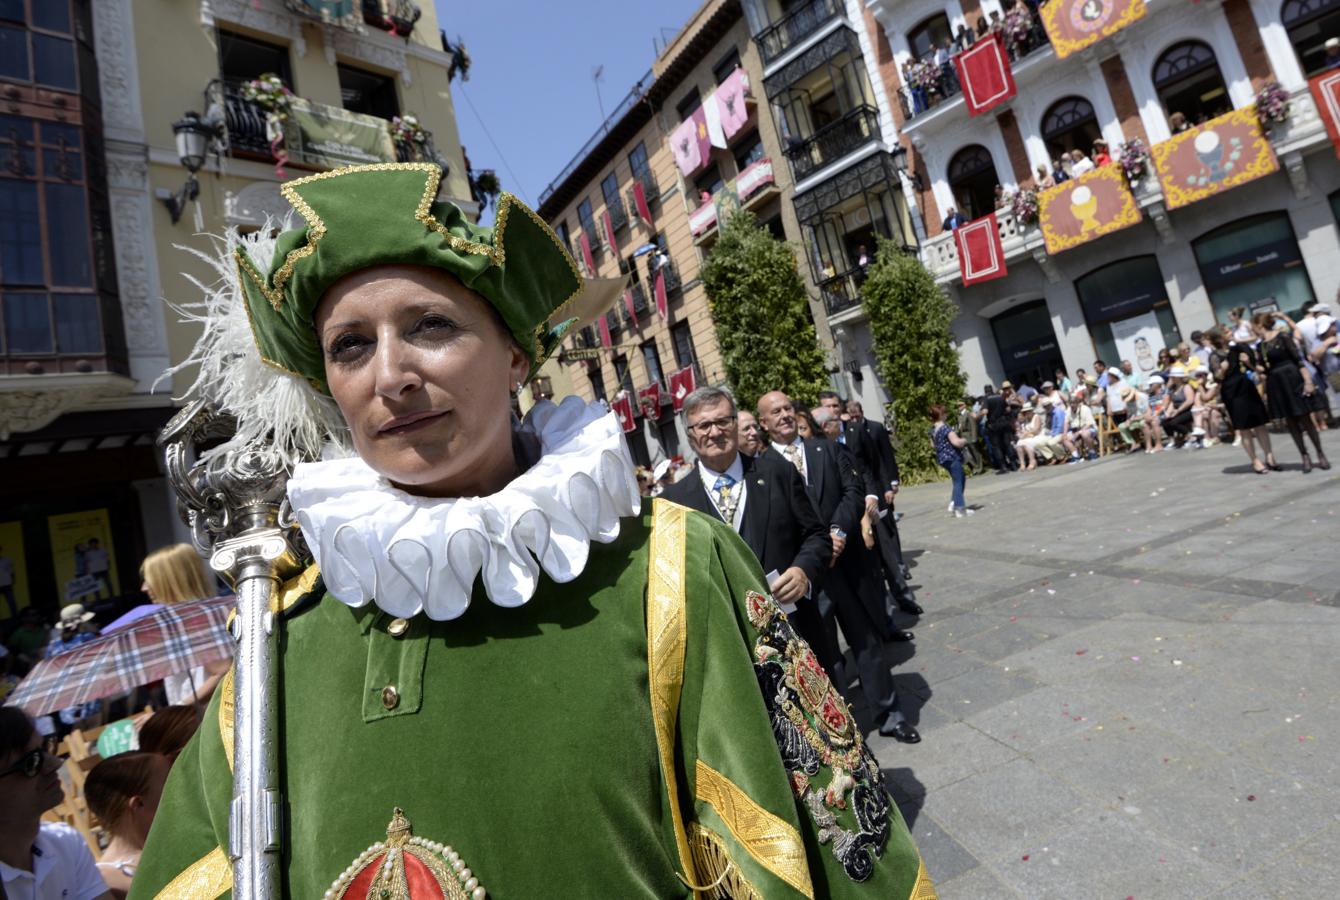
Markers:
{"x": 706, "y": 427}
{"x": 30, "y": 763}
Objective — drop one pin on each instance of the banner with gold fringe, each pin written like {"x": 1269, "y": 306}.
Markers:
{"x": 1211, "y": 158}
{"x": 1096, "y": 203}
{"x": 1326, "y": 92}
{"x": 1073, "y": 25}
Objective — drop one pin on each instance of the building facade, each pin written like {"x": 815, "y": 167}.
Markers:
{"x": 96, "y": 199}
{"x": 1274, "y": 240}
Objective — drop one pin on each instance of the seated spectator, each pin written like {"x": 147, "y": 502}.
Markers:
{"x": 28, "y": 640}
{"x": 169, "y": 730}
{"x": 42, "y": 860}
{"x": 1177, "y": 418}
{"x": 1164, "y": 363}
{"x": 1079, "y": 163}
{"x": 1063, "y": 382}
{"x": 1030, "y": 430}
{"x": 1026, "y": 393}
{"x": 1081, "y": 440}
{"x": 1205, "y": 413}
{"x": 75, "y": 627}
{"x": 123, "y": 792}
{"x": 1045, "y": 179}
{"x": 1100, "y": 155}
{"x": 1052, "y": 448}
{"x": 1139, "y": 417}
{"x": 1130, "y": 376}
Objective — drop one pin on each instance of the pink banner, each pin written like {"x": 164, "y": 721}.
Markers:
{"x": 730, "y": 99}
{"x": 662, "y": 302}
{"x": 689, "y": 143}
{"x": 754, "y": 177}
{"x": 587, "y": 258}
{"x": 605, "y": 339}
{"x": 640, "y": 203}
{"x": 628, "y": 305}
{"x": 609, "y": 233}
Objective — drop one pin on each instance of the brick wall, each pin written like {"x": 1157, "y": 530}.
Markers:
{"x": 1123, "y": 99}
{"x": 1247, "y": 35}
{"x": 1014, "y": 146}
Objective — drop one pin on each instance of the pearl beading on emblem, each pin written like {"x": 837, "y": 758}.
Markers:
{"x": 469, "y": 884}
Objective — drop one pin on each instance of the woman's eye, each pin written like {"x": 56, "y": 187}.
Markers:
{"x": 344, "y": 346}
{"x": 433, "y": 323}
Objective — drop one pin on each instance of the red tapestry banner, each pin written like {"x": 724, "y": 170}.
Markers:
{"x": 628, "y": 305}
{"x": 623, "y": 409}
{"x": 649, "y": 401}
{"x": 682, "y": 383}
{"x": 640, "y": 203}
{"x": 1073, "y": 25}
{"x": 980, "y": 254}
{"x": 984, "y": 71}
{"x": 1096, "y": 203}
{"x": 662, "y": 299}
{"x": 1212, "y": 158}
{"x": 609, "y": 233}
{"x": 587, "y": 258}
{"x": 605, "y": 339}
{"x": 1326, "y": 91}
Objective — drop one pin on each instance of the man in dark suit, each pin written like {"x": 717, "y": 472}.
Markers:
{"x": 765, "y": 502}
{"x": 834, "y": 484}
{"x": 870, "y": 442}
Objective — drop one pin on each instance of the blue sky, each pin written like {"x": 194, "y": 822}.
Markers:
{"x": 530, "y": 76}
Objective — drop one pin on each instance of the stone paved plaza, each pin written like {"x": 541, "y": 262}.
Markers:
{"x": 1126, "y": 681}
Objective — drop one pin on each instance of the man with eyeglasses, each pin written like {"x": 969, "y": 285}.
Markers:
{"x": 767, "y": 506}
{"x": 38, "y": 860}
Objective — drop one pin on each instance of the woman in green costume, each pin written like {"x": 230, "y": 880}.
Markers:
{"x": 545, "y": 690}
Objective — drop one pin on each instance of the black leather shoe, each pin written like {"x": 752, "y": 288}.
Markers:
{"x": 900, "y": 731}
{"x": 899, "y": 636}
{"x": 911, "y": 607}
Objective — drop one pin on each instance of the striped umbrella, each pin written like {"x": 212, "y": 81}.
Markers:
{"x": 173, "y": 639}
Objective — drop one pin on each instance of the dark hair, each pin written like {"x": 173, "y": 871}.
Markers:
{"x": 168, "y": 730}
{"x": 1197, "y": 335}
{"x": 815, "y": 430}
{"x": 829, "y": 395}
{"x": 112, "y": 782}
{"x": 937, "y": 412}
{"x": 16, "y": 730}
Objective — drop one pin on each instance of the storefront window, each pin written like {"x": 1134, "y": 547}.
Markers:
{"x": 1027, "y": 344}
{"x": 1253, "y": 262}
{"x": 1127, "y": 311}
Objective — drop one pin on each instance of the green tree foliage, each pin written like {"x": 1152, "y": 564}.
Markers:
{"x": 910, "y": 319}
{"x": 762, "y": 315}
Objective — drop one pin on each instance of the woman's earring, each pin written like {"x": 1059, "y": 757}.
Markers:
{"x": 518, "y": 388}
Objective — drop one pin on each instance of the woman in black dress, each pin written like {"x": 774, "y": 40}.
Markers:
{"x": 1245, "y": 408}
{"x": 1289, "y": 386}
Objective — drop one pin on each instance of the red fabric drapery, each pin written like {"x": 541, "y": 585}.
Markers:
{"x": 981, "y": 257}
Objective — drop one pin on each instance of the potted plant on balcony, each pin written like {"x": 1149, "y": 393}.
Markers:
{"x": 1018, "y": 30}
{"x": 270, "y": 94}
{"x": 1024, "y": 205}
{"x": 1134, "y": 160}
{"x": 409, "y": 135}
{"x": 1272, "y": 105}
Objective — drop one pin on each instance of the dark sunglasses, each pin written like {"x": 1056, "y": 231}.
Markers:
{"x": 30, "y": 763}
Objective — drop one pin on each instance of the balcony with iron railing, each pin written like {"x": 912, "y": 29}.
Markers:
{"x": 842, "y": 292}
{"x": 932, "y": 85}
{"x": 856, "y": 128}
{"x": 795, "y": 26}
{"x": 618, "y": 215}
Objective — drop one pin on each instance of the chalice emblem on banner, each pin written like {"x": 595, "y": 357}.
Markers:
{"x": 1084, "y": 204}
{"x": 1217, "y": 157}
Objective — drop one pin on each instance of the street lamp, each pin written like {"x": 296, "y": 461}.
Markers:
{"x": 899, "y": 154}
{"x": 193, "y": 136}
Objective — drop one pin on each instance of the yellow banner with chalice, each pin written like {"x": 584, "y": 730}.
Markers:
{"x": 1221, "y": 154}
{"x": 1077, "y": 211}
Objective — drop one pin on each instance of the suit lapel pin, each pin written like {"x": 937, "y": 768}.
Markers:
{"x": 760, "y": 482}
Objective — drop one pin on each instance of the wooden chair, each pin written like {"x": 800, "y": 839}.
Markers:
{"x": 1109, "y": 435}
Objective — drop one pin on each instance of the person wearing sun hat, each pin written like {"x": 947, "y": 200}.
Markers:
{"x": 544, "y": 686}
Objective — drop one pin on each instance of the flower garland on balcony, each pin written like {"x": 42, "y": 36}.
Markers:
{"x": 1024, "y": 205}
{"x": 926, "y": 75}
{"x": 271, "y": 94}
{"x": 1134, "y": 159}
{"x": 1272, "y": 105}
{"x": 410, "y": 135}
{"x": 1018, "y": 29}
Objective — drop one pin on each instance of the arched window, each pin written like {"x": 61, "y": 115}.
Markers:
{"x": 973, "y": 179}
{"x": 1070, "y": 125}
{"x": 1189, "y": 82}
{"x": 928, "y": 35}
{"x": 1310, "y": 23}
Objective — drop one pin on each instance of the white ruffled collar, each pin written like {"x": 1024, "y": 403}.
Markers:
{"x": 408, "y": 554}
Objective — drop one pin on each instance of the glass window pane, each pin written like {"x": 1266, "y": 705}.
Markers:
{"x": 12, "y": 10}
{"x": 53, "y": 62}
{"x": 14, "y": 53}
{"x": 27, "y": 324}
{"x": 54, "y": 132}
{"x": 67, "y": 165}
{"x": 77, "y": 327}
{"x": 20, "y": 234}
{"x": 53, "y": 15}
{"x": 67, "y": 235}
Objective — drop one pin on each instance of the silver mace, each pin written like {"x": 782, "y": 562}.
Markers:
{"x": 240, "y": 520}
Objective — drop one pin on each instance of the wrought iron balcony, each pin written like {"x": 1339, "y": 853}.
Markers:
{"x": 618, "y": 216}
{"x": 640, "y": 308}
{"x": 842, "y": 292}
{"x": 797, "y": 25}
{"x": 834, "y": 141}
{"x": 245, "y": 122}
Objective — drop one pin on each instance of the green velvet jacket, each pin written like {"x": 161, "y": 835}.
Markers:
{"x": 654, "y": 724}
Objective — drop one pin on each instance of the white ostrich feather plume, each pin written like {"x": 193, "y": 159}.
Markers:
{"x": 269, "y": 405}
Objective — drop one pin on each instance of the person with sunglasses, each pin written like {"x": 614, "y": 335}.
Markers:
{"x": 38, "y": 860}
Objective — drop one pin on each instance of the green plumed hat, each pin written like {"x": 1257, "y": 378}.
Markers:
{"x": 387, "y": 214}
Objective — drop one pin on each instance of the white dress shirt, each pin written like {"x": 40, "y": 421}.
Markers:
{"x": 804, "y": 464}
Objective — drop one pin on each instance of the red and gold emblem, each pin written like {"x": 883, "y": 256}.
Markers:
{"x": 405, "y": 867}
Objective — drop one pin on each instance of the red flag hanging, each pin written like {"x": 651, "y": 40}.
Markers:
{"x": 980, "y": 254}
{"x": 682, "y": 383}
{"x": 628, "y": 305}
{"x": 662, "y": 301}
{"x": 605, "y": 339}
{"x": 609, "y": 234}
{"x": 649, "y": 401}
{"x": 1326, "y": 91}
{"x": 587, "y": 258}
{"x": 984, "y": 72}
{"x": 623, "y": 408}
{"x": 640, "y": 204}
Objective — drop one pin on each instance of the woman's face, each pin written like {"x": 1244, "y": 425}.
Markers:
{"x": 422, "y": 372}
{"x": 803, "y": 427}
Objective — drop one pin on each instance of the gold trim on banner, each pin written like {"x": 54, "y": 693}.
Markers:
{"x": 770, "y": 840}
{"x": 923, "y": 889}
{"x": 1064, "y": 46}
{"x": 666, "y": 637}
{"x": 226, "y": 716}
{"x": 208, "y": 877}
{"x": 1260, "y": 164}
{"x": 1128, "y": 215}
